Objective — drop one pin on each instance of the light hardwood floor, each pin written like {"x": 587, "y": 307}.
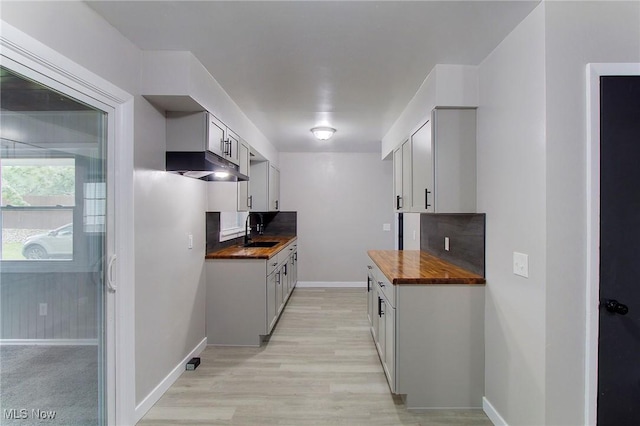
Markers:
{"x": 319, "y": 367}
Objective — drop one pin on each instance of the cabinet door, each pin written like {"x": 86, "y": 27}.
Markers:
{"x": 389, "y": 345}
{"x": 406, "y": 176}
{"x": 272, "y": 313}
{"x": 259, "y": 188}
{"x": 291, "y": 269}
{"x": 215, "y": 135}
{"x": 375, "y": 300}
{"x": 382, "y": 328}
{"x": 274, "y": 188}
{"x": 279, "y": 291}
{"x": 455, "y": 160}
{"x": 422, "y": 163}
{"x": 294, "y": 269}
{"x": 286, "y": 279}
{"x": 232, "y": 147}
{"x": 370, "y": 295}
{"x": 397, "y": 179}
{"x": 243, "y": 186}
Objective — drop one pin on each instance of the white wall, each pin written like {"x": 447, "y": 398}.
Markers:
{"x": 446, "y": 85}
{"x": 511, "y": 191}
{"x": 533, "y": 115}
{"x": 576, "y": 33}
{"x": 170, "y": 287}
{"x": 342, "y": 201}
{"x": 169, "y": 315}
{"x": 180, "y": 74}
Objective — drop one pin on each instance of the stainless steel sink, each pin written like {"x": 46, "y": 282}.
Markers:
{"x": 262, "y": 244}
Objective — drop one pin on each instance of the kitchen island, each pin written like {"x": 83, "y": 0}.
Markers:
{"x": 247, "y": 289}
{"x": 427, "y": 322}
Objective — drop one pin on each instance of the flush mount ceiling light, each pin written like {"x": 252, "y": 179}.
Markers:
{"x": 323, "y": 133}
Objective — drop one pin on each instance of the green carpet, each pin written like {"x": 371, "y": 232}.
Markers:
{"x": 60, "y": 379}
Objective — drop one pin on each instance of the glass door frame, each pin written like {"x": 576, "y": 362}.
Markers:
{"x": 32, "y": 59}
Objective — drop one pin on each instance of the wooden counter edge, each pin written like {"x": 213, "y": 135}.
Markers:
{"x": 473, "y": 279}
{"x": 263, "y": 253}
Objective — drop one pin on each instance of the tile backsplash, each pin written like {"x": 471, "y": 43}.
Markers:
{"x": 466, "y": 233}
{"x": 275, "y": 223}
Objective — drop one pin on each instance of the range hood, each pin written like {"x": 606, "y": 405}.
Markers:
{"x": 203, "y": 165}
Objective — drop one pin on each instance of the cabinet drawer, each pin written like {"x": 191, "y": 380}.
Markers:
{"x": 387, "y": 288}
{"x": 272, "y": 264}
{"x": 283, "y": 255}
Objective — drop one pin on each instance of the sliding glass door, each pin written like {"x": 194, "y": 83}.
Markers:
{"x": 56, "y": 325}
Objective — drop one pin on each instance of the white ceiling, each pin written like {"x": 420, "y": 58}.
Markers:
{"x": 293, "y": 65}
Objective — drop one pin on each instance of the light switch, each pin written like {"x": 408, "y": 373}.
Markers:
{"x": 43, "y": 309}
{"x": 386, "y": 227}
{"x": 521, "y": 264}
{"x": 446, "y": 243}
{"x": 190, "y": 245}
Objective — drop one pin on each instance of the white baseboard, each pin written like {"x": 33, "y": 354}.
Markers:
{"x": 49, "y": 342}
{"x": 166, "y": 383}
{"x": 335, "y": 284}
{"x": 492, "y": 413}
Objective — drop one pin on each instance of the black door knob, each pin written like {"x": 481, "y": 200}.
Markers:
{"x": 615, "y": 307}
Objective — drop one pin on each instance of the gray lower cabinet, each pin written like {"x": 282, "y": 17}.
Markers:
{"x": 371, "y": 296}
{"x": 430, "y": 340}
{"x": 272, "y": 308}
{"x": 245, "y": 297}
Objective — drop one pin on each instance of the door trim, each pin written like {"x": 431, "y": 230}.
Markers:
{"x": 593, "y": 74}
{"x": 33, "y": 56}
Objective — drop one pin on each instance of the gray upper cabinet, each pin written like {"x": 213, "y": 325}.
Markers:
{"x": 244, "y": 201}
{"x": 265, "y": 187}
{"x": 422, "y": 163}
{"x": 439, "y": 164}
{"x": 193, "y": 132}
{"x": 402, "y": 177}
{"x": 215, "y": 134}
{"x": 231, "y": 147}
{"x": 397, "y": 179}
{"x": 274, "y": 188}
{"x": 200, "y": 131}
{"x": 454, "y": 152}
{"x": 407, "y": 177}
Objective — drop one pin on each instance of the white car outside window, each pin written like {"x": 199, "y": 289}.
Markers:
{"x": 55, "y": 244}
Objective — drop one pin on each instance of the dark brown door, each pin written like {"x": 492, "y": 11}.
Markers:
{"x": 619, "y": 334}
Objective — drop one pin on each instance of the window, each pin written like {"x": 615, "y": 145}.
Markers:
{"x": 232, "y": 225}
{"x": 37, "y": 201}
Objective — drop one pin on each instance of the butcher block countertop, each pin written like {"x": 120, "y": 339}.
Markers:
{"x": 241, "y": 252}
{"x": 418, "y": 267}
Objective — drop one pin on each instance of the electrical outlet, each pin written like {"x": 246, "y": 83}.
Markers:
{"x": 521, "y": 264}
{"x": 446, "y": 243}
{"x": 43, "y": 309}
{"x": 386, "y": 227}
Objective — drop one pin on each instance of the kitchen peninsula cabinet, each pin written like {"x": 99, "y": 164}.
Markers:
{"x": 247, "y": 290}
{"x": 438, "y": 163}
{"x": 427, "y": 322}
